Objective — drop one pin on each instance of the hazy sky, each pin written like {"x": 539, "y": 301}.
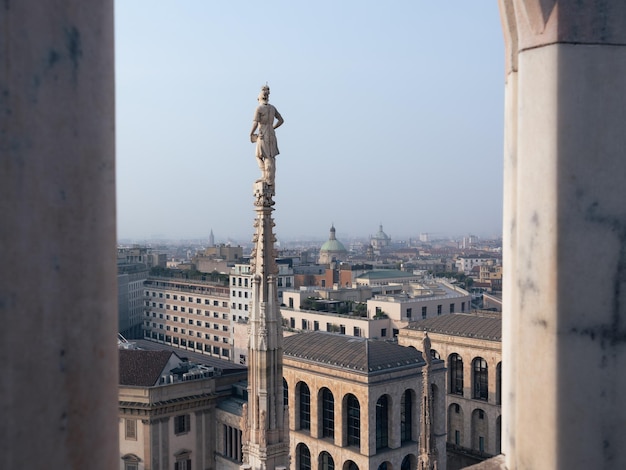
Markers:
{"x": 393, "y": 115}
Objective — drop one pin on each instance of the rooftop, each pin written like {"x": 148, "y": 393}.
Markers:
{"x": 469, "y": 325}
{"x": 142, "y": 368}
{"x": 348, "y": 352}
{"x": 225, "y": 366}
{"x": 385, "y": 274}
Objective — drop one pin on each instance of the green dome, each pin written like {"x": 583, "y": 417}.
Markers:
{"x": 333, "y": 245}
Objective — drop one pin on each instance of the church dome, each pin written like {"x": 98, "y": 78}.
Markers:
{"x": 332, "y": 249}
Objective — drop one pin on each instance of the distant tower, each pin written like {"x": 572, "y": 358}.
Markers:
{"x": 211, "y": 239}
{"x": 427, "y": 445}
{"x": 266, "y": 431}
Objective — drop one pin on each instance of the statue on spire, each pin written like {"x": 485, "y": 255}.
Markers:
{"x": 266, "y": 120}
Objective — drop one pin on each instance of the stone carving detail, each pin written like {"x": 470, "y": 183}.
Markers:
{"x": 266, "y": 120}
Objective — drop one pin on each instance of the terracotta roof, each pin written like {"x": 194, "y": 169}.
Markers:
{"x": 481, "y": 326}
{"x": 349, "y": 352}
{"x": 142, "y": 368}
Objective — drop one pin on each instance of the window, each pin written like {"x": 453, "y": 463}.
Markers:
{"x": 439, "y": 309}
{"x": 383, "y": 332}
{"x": 131, "y": 429}
{"x": 480, "y": 379}
{"x": 131, "y": 462}
{"x": 182, "y": 309}
{"x": 182, "y": 424}
{"x": 182, "y": 297}
{"x": 406, "y": 416}
{"x": 481, "y": 444}
{"x": 183, "y": 460}
{"x": 462, "y": 306}
{"x": 356, "y": 331}
{"x": 455, "y": 366}
{"x": 303, "y": 457}
{"x": 382, "y": 423}
{"x": 231, "y": 444}
{"x": 285, "y": 388}
{"x": 305, "y": 406}
{"x": 451, "y": 308}
{"x": 424, "y": 309}
{"x": 457, "y": 437}
{"x": 326, "y": 461}
{"x": 328, "y": 413}
{"x": 409, "y": 312}
{"x": 353, "y": 412}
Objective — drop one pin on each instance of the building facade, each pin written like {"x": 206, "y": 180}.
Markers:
{"x": 470, "y": 345}
{"x": 188, "y": 314}
{"x": 356, "y": 403}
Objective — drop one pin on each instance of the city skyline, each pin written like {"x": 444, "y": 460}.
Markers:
{"x": 392, "y": 117}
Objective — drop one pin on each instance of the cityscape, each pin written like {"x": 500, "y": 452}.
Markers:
{"x": 370, "y": 299}
{"x": 430, "y": 274}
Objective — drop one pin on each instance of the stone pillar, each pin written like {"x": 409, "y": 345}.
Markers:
{"x": 58, "y": 287}
{"x": 564, "y": 332}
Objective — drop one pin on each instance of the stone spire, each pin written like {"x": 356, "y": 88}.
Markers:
{"x": 266, "y": 442}
{"x": 427, "y": 444}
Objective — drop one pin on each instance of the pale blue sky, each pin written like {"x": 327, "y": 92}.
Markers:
{"x": 393, "y": 114}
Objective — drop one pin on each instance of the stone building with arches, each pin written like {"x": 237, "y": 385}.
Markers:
{"x": 470, "y": 346}
{"x": 354, "y": 403}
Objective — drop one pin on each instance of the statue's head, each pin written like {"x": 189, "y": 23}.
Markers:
{"x": 264, "y": 95}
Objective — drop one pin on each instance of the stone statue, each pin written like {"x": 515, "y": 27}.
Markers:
{"x": 245, "y": 426}
{"x": 266, "y": 144}
{"x": 426, "y": 347}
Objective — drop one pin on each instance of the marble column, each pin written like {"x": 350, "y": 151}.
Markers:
{"x": 58, "y": 292}
{"x": 564, "y": 327}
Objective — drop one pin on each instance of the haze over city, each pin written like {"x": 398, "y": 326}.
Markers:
{"x": 393, "y": 116}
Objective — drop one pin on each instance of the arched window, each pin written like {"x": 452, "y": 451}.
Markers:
{"x": 406, "y": 416}
{"x": 455, "y": 365}
{"x": 434, "y": 354}
{"x": 384, "y": 466}
{"x": 326, "y": 461}
{"x": 480, "y": 379}
{"x": 353, "y": 412}
{"x": 305, "y": 406}
{"x": 382, "y": 422}
{"x": 303, "y": 457}
{"x": 350, "y": 465}
{"x": 328, "y": 413}
{"x": 285, "y": 393}
{"x": 408, "y": 462}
